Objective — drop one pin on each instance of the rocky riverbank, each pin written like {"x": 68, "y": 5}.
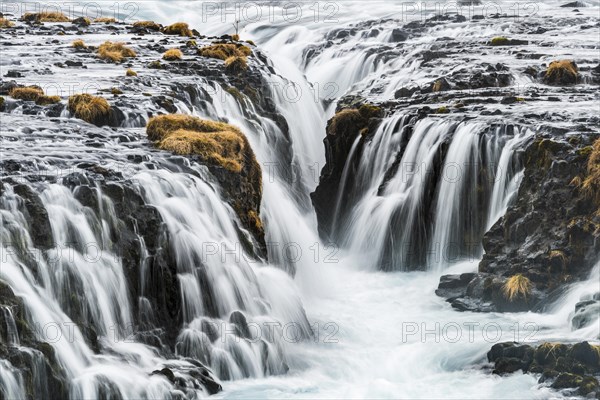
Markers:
{"x": 570, "y": 368}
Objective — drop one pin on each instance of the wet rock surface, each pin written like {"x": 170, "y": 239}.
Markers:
{"x": 96, "y": 162}
{"x": 342, "y": 131}
{"x": 550, "y": 234}
{"x": 571, "y": 368}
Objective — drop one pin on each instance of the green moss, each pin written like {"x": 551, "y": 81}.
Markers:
{"x": 235, "y": 93}
{"x": 587, "y": 385}
{"x": 442, "y": 110}
{"x": 155, "y": 65}
{"x": 500, "y": 41}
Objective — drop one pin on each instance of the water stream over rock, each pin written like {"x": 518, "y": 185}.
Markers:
{"x": 409, "y": 168}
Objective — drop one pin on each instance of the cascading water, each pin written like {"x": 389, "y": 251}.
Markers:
{"x": 398, "y": 182}
{"x": 419, "y": 193}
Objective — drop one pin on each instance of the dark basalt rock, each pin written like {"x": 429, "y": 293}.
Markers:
{"x": 37, "y": 216}
{"x": 549, "y": 235}
{"x": 561, "y": 366}
{"x": 398, "y": 35}
{"x": 574, "y": 4}
{"x": 586, "y": 313}
{"x": 35, "y": 359}
{"x": 342, "y": 131}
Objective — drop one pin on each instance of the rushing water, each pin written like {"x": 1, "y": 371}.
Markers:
{"x": 366, "y": 333}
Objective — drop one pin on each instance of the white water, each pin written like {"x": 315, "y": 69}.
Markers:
{"x": 360, "y": 350}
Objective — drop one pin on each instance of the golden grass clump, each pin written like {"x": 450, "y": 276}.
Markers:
{"x": 516, "y": 286}
{"x": 33, "y": 93}
{"x": 115, "y": 51}
{"x": 255, "y": 220}
{"x": 591, "y": 183}
{"x": 223, "y": 51}
{"x": 29, "y": 93}
{"x": 46, "y": 17}
{"x": 558, "y": 255}
{"x": 236, "y": 64}
{"x": 151, "y": 25}
{"x": 173, "y": 55}
{"x": 47, "y": 100}
{"x": 178, "y": 28}
{"x": 217, "y": 143}
{"x": 105, "y": 20}
{"x": 235, "y": 37}
{"x": 343, "y": 120}
{"x": 92, "y": 109}
{"x": 561, "y": 72}
{"x": 130, "y": 72}
{"x": 5, "y": 23}
{"x": 79, "y": 44}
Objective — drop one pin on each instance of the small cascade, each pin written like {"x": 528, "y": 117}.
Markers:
{"x": 11, "y": 383}
{"x": 217, "y": 278}
{"x": 79, "y": 287}
{"x": 11, "y": 334}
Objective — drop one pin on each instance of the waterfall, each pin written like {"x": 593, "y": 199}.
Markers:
{"x": 126, "y": 272}
{"x": 422, "y": 195}
{"x": 80, "y": 281}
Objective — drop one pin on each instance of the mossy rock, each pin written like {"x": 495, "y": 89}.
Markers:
{"x": 45, "y": 17}
{"x": 223, "y": 51}
{"x": 236, "y": 64}
{"x": 93, "y": 109}
{"x": 150, "y": 25}
{"x": 561, "y": 73}
{"x": 178, "y": 28}
{"x": 115, "y": 52}
{"x": 228, "y": 155}
{"x": 504, "y": 41}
